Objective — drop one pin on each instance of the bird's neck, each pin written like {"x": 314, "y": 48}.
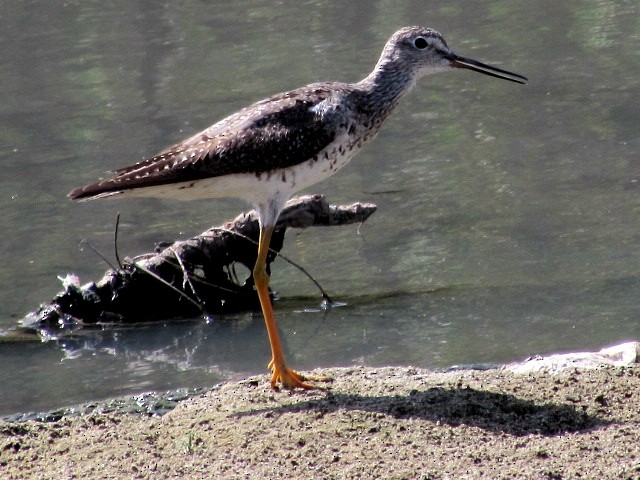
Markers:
{"x": 387, "y": 84}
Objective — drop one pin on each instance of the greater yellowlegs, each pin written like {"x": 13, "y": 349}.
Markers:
{"x": 267, "y": 151}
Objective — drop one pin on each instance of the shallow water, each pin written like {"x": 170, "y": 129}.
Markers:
{"x": 508, "y": 215}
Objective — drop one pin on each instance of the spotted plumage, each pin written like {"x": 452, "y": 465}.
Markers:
{"x": 269, "y": 150}
{"x": 317, "y": 123}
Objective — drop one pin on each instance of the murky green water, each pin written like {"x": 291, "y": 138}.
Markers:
{"x": 508, "y": 221}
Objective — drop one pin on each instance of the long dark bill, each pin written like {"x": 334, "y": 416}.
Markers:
{"x": 461, "y": 62}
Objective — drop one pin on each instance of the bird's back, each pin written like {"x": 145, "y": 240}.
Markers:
{"x": 309, "y": 124}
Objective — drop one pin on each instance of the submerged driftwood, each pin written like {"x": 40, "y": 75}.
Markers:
{"x": 187, "y": 277}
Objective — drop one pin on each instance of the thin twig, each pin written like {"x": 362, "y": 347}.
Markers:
{"x": 196, "y": 278}
{"x": 86, "y": 242}
{"x": 326, "y": 299}
{"x": 115, "y": 240}
{"x": 185, "y": 274}
{"x": 162, "y": 280}
{"x": 168, "y": 260}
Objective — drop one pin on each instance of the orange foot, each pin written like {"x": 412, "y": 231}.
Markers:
{"x": 290, "y": 379}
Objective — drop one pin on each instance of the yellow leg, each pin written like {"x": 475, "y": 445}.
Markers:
{"x": 289, "y": 379}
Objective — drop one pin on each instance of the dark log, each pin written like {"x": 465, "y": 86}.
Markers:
{"x": 187, "y": 277}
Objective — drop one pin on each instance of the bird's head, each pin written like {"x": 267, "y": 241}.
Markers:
{"x": 424, "y": 51}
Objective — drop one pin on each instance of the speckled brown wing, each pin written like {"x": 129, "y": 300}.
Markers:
{"x": 278, "y": 132}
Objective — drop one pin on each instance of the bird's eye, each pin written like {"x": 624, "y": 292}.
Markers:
{"x": 420, "y": 43}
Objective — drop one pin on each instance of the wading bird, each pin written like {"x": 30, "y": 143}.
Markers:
{"x": 267, "y": 151}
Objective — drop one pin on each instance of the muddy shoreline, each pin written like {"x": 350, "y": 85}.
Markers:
{"x": 372, "y": 423}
